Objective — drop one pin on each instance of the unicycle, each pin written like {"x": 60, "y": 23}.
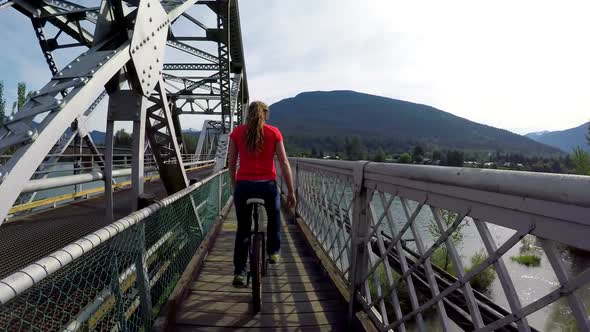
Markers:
{"x": 257, "y": 250}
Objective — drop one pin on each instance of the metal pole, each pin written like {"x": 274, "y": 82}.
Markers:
{"x": 359, "y": 236}
{"x": 108, "y": 171}
{"x": 137, "y": 167}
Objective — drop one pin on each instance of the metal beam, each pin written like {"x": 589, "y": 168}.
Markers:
{"x": 191, "y": 66}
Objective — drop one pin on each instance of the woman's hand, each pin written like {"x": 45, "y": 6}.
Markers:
{"x": 291, "y": 200}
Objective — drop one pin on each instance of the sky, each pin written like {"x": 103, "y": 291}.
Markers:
{"x": 517, "y": 65}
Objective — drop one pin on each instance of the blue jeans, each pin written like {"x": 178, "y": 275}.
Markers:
{"x": 266, "y": 190}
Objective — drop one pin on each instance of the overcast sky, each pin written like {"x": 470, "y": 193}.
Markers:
{"x": 518, "y": 65}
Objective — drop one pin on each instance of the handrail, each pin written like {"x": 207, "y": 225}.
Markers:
{"x": 20, "y": 281}
{"x": 350, "y": 206}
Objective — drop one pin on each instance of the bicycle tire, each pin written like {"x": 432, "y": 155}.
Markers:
{"x": 256, "y": 266}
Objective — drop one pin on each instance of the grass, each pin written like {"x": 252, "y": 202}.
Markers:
{"x": 527, "y": 259}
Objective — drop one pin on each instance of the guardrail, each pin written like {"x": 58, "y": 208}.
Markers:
{"x": 366, "y": 217}
{"x": 118, "y": 277}
{"x": 38, "y": 185}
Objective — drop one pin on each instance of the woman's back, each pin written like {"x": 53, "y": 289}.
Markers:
{"x": 258, "y": 164}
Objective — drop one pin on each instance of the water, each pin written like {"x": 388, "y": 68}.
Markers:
{"x": 530, "y": 283}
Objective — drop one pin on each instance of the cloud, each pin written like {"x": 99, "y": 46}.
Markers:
{"x": 508, "y": 64}
{"x": 516, "y": 65}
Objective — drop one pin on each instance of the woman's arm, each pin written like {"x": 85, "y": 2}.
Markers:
{"x": 286, "y": 173}
{"x": 233, "y": 160}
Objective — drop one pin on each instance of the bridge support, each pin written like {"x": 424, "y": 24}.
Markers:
{"x": 359, "y": 237}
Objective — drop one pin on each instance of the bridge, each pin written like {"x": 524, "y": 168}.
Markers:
{"x": 105, "y": 238}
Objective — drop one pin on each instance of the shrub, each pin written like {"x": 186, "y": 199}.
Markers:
{"x": 485, "y": 278}
{"x": 528, "y": 260}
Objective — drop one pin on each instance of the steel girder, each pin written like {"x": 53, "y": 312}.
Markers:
{"x": 72, "y": 90}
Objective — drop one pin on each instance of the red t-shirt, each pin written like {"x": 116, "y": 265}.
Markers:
{"x": 256, "y": 165}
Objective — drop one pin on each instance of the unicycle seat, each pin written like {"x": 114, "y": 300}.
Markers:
{"x": 255, "y": 201}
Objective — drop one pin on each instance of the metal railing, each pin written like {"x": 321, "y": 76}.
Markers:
{"x": 118, "y": 277}
{"x": 393, "y": 232}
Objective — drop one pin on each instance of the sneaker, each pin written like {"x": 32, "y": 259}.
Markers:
{"x": 274, "y": 258}
{"x": 239, "y": 280}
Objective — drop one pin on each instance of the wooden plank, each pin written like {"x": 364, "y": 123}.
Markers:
{"x": 319, "y": 328}
{"x": 277, "y": 269}
{"x": 268, "y": 286}
{"x": 261, "y": 320}
{"x": 271, "y": 298}
{"x": 246, "y": 308}
{"x": 227, "y": 278}
{"x": 285, "y": 258}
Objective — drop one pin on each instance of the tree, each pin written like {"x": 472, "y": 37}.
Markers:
{"x": 441, "y": 256}
{"x": 21, "y": 95}
{"x": 379, "y": 156}
{"x": 354, "y": 149}
{"x": 455, "y": 158}
{"x": 588, "y": 134}
{"x": 417, "y": 153}
{"x": 405, "y": 158}
{"x": 2, "y": 103}
{"x": 122, "y": 138}
{"x": 189, "y": 143}
{"x": 581, "y": 161}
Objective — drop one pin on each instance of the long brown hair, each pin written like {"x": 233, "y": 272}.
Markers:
{"x": 257, "y": 113}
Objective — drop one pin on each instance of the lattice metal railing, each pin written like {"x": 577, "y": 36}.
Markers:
{"x": 118, "y": 277}
{"x": 436, "y": 248}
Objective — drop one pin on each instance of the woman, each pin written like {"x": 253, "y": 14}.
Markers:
{"x": 256, "y": 144}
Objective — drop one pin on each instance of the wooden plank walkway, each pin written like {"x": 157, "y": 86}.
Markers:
{"x": 297, "y": 294}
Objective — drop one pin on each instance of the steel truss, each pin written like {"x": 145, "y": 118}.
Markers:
{"x": 125, "y": 54}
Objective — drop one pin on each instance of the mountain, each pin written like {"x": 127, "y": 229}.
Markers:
{"x": 536, "y": 134}
{"x": 321, "y": 117}
{"x": 565, "y": 140}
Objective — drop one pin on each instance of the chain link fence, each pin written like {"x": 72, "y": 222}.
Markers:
{"x": 118, "y": 277}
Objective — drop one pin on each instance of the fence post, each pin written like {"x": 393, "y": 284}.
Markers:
{"x": 219, "y": 194}
{"x": 143, "y": 280}
{"x": 359, "y": 235}
{"x": 296, "y": 184}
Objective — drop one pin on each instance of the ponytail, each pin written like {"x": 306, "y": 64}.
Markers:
{"x": 257, "y": 113}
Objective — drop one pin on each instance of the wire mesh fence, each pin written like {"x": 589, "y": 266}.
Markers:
{"x": 126, "y": 271}
{"x": 438, "y": 249}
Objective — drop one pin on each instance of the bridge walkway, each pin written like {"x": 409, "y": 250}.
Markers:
{"x": 297, "y": 293}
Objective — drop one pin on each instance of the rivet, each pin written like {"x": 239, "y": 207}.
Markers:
{"x": 10, "y": 118}
{"x": 36, "y": 92}
{"x": 143, "y": 81}
{"x": 69, "y": 66}
{"x": 150, "y": 19}
{"x": 60, "y": 74}
{"x": 29, "y": 133}
{"x": 92, "y": 71}
{"x": 132, "y": 51}
{"x": 100, "y": 64}
{"x": 114, "y": 51}
{"x": 148, "y": 5}
{"x": 149, "y": 76}
{"x": 108, "y": 57}
{"x": 157, "y": 60}
{"x": 155, "y": 47}
{"x": 150, "y": 67}
{"x": 77, "y": 59}
{"x": 153, "y": 34}
{"x": 144, "y": 71}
